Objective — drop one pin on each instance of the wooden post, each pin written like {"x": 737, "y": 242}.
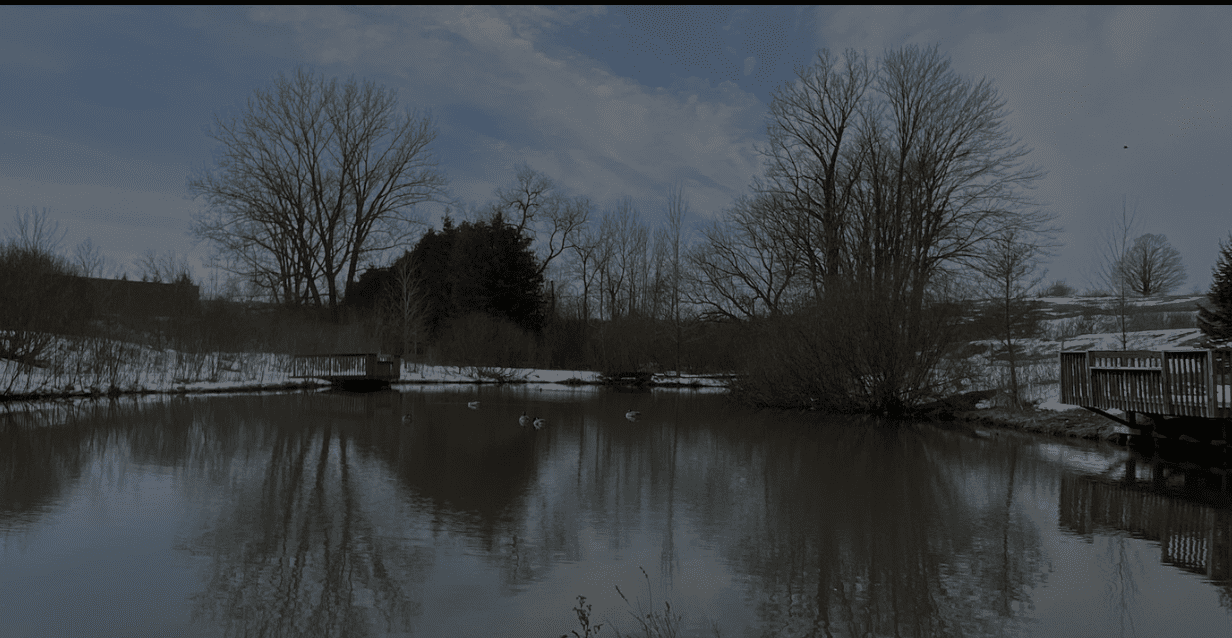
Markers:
{"x": 1088, "y": 381}
{"x": 1166, "y": 381}
{"x": 1210, "y": 384}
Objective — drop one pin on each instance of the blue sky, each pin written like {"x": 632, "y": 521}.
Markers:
{"x": 104, "y": 110}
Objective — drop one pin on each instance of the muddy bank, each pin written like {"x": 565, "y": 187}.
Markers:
{"x": 1077, "y": 424}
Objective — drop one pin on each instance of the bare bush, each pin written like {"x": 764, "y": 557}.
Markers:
{"x": 477, "y": 340}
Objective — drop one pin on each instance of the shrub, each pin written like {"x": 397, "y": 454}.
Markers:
{"x": 476, "y": 339}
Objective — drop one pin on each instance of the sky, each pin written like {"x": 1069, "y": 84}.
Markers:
{"x": 105, "y": 111}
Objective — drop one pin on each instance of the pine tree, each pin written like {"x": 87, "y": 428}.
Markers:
{"x": 1216, "y": 322}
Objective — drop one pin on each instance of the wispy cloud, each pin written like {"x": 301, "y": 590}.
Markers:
{"x": 597, "y": 133}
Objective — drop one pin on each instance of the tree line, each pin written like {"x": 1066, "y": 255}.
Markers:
{"x": 892, "y": 191}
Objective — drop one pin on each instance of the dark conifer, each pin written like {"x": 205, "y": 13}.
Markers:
{"x": 1216, "y": 321}
{"x": 475, "y": 267}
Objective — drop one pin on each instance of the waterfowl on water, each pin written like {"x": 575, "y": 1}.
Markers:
{"x": 632, "y": 415}
{"x": 474, "y": 405}
{"x": 539, "y": 423}
{"x": 523, "y": 420}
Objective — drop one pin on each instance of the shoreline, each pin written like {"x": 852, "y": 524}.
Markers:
{"x": 687, "y": 383}
{"x": 1072, "y": 424}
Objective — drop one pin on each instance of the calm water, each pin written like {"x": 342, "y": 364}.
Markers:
{"x": 332, "y": 514}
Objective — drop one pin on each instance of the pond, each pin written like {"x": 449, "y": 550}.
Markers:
{"x": 410, "y": 513}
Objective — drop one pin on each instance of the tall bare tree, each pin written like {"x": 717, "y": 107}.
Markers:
{"x": 812, "y": 166}
{"x": 1011, "y": 272}
{"x": 404, "y": 306}
{"x": 672, "y": 237}
{"x": 622, "y": 272}
{"x": 313, "y": 178}
{"x": 1112, "y": 272}
{"x": 586, "y": 262}
{"x": 1153, "y": 266}
{"x": 534, "y": 205}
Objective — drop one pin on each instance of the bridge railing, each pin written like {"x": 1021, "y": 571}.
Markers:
{"x": 1169, "y": 382}
{"x": 324, "y": 366}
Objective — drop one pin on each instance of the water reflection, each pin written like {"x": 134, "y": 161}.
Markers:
{"x": 1192, "y": 536}
{"x": 884, "y": 530}
{"x": 407, "y": 512}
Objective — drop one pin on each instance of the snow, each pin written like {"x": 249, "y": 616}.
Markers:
{"x": 109, "y": 367}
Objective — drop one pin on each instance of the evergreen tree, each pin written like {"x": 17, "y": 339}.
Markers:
{"x": 364, "y": 294}
{"x": 494, "y": 272}
{"x": 431, "y": 262}
{"x": 1216, "y": 322}
{"x": 483, "y": 267}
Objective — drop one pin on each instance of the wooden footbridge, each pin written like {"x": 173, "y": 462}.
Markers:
{"x": 1189, "y": 388}
{"x": 351, "y": 371}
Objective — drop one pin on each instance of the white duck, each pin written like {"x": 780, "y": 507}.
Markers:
{"x": 474, "y": 405}
{"x": 524, "y": 420}
{"x": 632, "y": 415}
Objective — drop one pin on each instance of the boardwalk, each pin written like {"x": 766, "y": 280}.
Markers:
{"x": 353, "y": 370}
{"x": 1169, "y": 383}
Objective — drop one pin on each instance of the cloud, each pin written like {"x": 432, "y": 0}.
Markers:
{"x": 502, "y": 60}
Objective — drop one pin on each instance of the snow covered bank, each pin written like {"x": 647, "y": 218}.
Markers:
{"x": 105, "y": 367}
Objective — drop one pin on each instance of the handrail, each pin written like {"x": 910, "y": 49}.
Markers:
{"x": 1187, "y": 382}
{"x": 348, "y": 366}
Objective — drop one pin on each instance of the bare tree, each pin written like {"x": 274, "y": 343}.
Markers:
{"x": 747, "y": 264}
{"x": 534, "y": 205}
{"x": 312, "y": 179}
{"x": 405, "y": 306}
{"x": 585, "y": 264}
{"x": 32, "y": 231}
{"x": 672, "y": 237}
{"x": 811, "y": 167}
{"x": 35, "y": 302}
{"x": 1010, "y": 270}
{"x": 625, "y": 241}
{"x": 1153, "y": 266}
{"x": 1112, "y": 270}
{"x": 169, "y": 267}
{"x": 88, "y": 259}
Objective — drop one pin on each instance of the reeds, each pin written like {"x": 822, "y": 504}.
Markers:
{"x": 651, "y": 622}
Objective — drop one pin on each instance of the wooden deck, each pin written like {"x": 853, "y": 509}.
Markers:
{"x": 1167, "y": 383}
{"x": 348, "y": 369}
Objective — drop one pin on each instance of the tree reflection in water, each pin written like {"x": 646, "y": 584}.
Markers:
{"x": 878, "y": 530}
{"x": 298, "y": 551}
{"x": 326, "y": 514}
